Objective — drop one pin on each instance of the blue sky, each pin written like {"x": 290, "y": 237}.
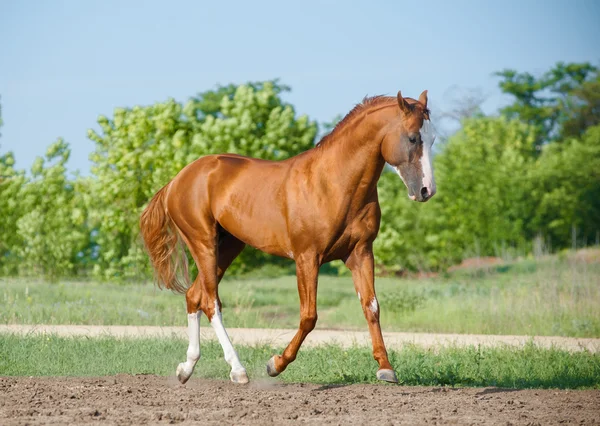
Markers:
{"x": 63, "y": 63}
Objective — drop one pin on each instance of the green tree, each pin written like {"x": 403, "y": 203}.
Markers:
{"x": 561, "y": 95}
{"x": 483, "y": 199}
{"x": 582, "y": 109}
{"x": 209, "y": 102}
{"x": 566, "y": 187}
{"x": 51, "y": 227}
{"x": 11, "y": 183}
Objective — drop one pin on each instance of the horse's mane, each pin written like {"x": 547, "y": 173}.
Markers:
{"x": 368, "y": 101}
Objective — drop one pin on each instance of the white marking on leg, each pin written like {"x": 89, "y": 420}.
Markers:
{"x": 358, "y": 292}
{"x": 229, "y": 353}
{"x": 185, "y": 369}
{"x": 374, "y": 306}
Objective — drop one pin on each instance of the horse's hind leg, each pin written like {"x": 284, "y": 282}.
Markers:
{"x": 185, "y": 369}
{"x": 229, "y": 248}
{"x": 202, "y": 296}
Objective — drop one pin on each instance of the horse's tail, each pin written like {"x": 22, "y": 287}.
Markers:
{"x": 164, "y": 245}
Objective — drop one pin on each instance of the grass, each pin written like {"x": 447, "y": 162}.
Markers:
{"x": 549, "y": 296}
{"x": 529, "y": 367}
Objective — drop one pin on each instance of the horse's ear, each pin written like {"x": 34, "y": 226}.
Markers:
{"x": 423, "y": 98}
{"x": 404, "y": 107}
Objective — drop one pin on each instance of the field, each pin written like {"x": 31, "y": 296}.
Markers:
{"x": 552, "y": 296}
{"x": 46, "y": 378}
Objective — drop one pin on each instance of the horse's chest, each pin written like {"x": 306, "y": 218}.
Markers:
{"x": 361, "y": 227}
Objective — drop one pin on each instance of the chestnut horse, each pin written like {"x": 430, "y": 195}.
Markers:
{"x": 313, "y": 208}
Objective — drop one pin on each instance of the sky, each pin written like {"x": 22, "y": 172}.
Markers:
{"x": 64, "y": 63}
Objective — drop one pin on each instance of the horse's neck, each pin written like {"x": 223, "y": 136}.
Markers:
{"x": 352, "y": 160}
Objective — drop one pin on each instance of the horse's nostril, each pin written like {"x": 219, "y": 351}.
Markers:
{"x": 424, "y": 192}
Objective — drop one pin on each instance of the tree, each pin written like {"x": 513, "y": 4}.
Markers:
{"x": 557, "y": 97}
{"x": 51, "y": 227}
{"x": 566, "y": 188}
{"x": 483, "y": 194}
{"x": 11, "y": 181}
{"x": 582, "y": 109}
{"x": 209, "y": 102}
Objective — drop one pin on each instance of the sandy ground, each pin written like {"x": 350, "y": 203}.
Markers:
{"x": 127, "y": 399}
{"x": 281, "y": 337}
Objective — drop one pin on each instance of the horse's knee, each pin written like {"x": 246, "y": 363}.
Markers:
{"x": 308, "y": 322}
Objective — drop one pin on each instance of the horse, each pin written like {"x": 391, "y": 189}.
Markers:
{"x": 318, "y": 206}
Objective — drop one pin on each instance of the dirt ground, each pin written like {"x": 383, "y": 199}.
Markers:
{"x": 125, "y": 399}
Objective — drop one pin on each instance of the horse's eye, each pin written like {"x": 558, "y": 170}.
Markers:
{"x": 412, "y": 139}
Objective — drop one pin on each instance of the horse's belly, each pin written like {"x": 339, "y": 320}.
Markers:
{"x": 260, "y": 236}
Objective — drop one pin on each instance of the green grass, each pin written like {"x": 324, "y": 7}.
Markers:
{"x": 530, "y": 367}
{"x": 552, "y": 296}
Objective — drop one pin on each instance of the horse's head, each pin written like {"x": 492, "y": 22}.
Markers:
{"x": 407, "y": 147}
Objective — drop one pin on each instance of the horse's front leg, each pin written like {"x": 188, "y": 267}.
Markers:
{"x": 307, "y": 272}
{"x": 361, "y": 263}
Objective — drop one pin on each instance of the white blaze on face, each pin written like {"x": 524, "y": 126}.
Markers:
{"x": 427, "y": 138}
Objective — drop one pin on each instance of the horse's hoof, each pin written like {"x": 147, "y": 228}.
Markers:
{"x": 387, "y": 376}
{"x": 181, "y": 373}
{"x": 271, "y": 370}
{"x": 239, "y": 376}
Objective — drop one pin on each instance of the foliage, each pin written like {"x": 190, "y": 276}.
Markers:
{"x": 566, "y": 188}
{"x": 483, "y": 191}
{"x": 11, "y": 184}
{"x": 52, "y": 228}
{"x": 582, "y": 109}
{"x": 562, "y": 102}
